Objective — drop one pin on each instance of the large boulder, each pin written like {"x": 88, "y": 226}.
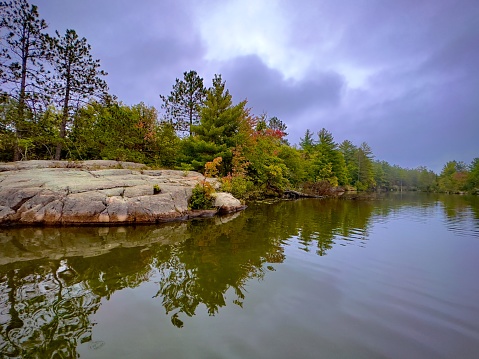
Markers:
{"x": 61, "y": 192}
{"x": 226, "y": 203}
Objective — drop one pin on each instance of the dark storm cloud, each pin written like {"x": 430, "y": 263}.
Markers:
{"x": 267, "y": 91}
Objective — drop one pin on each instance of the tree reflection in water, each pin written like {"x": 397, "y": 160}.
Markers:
{"x": 214, "y": 260}
{"x": 42, "y": 314}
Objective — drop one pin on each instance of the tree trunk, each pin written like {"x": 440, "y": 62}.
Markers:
{"x": 21, "y": 100}
{"x": 63, "y": 125}
{"x": 190, "y": 113}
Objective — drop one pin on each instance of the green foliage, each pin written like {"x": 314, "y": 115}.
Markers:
{"x": 117, "y": 132}
{"x": 457, "y": 177}
{"x": 156, "y": 189}
{"x": 238, "y": 186}
{"x": 39, "y": 133}
{"x": 266, "y": 169}
{"x": 427, "y": 180}
{"x": 322, "y": 160}
{"x": 453, "y": 177}
{"x": 275, "y": 176}
{"x": 294, "y": 163}
{"x": 107, "y": 132}
{"x": 389, "y": 177}
{"x": 236, "y": 182}
{"x": 349, "y": 154}
{"x": 202, "y": 196}
{"x": 198, "y": 152}
{"x": 7, "y": 128}
{"x": 163, "y": 149}
{"x": 365, "y": 167}
{"x": 473, "y": 176}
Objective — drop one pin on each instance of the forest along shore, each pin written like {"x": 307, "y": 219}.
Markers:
{"x": 101, "y": 192}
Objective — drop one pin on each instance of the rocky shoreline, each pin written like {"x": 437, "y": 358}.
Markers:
{"x": 100, "y": 192}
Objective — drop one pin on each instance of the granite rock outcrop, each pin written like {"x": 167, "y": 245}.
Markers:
{"x": 99, "y": 192}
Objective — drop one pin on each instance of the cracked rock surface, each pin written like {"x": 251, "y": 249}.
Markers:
{"x": 89, "y": 192}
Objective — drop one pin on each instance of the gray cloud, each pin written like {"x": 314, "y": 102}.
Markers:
{"x": 268, "y": 91}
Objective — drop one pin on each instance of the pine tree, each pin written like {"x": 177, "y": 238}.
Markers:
{"x": 23, "y": 74}
{"x": 278, "y": 129}
{"x": 182, "y": 106}
{"x": 220, "y": 119}
{"x": 349, "y": 153}
{"x": 365, "y": 175}
{"x": 329, "y": 156}
{"x": 77, "y": 77}
{"x": 307, "y": 142}
{"x": 217, "y": 133}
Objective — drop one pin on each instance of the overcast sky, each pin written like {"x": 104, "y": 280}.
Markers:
{"x": 401, "y": 75}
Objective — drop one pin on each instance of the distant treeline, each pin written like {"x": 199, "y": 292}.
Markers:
{"x": 55, "y": 105}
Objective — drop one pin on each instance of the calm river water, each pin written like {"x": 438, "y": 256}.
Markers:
{"x": 395, "y": 277}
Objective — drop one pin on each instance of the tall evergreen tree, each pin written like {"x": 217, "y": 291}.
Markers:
{"x": 380, "y": 171}
{"x": 359, "y": 164}
{"x": 182, "y": 106}
{"x": 217, "y": 133}
{"x": 349, "y": 150}
{"x": 276, "y": 124}
{"x": 220, "y": 119}
{"x": 23, "y": 74}
{"x": 323, "y": 158}
{"x": 365, "y": 176}
{"x": 271, "y": 127}
{"x": 77, "y": 77}
{"x": 307, "y": 142}
{"x": 328, "y": 150}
